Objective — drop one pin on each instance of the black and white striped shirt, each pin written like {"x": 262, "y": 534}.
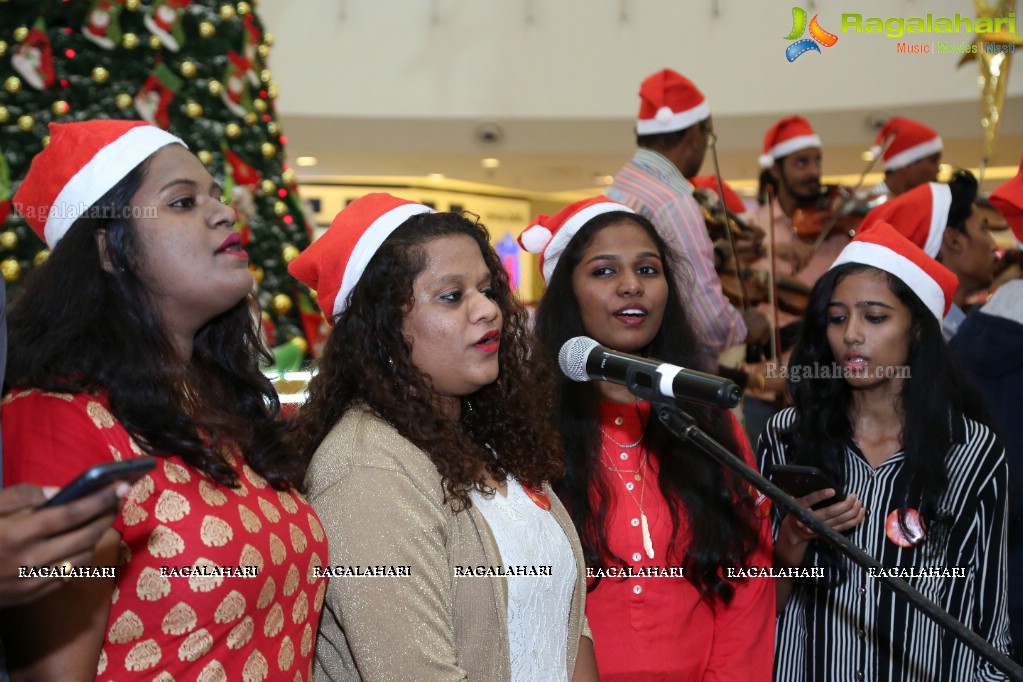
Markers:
{"x": 860, "y": 630}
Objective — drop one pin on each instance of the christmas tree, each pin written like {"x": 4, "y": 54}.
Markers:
{"x": 197, "y": 68}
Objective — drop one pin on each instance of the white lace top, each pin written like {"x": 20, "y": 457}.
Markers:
{"x": 538, "y": 605}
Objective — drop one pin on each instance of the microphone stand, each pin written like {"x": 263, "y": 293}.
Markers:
{"x": 684, "y": 428}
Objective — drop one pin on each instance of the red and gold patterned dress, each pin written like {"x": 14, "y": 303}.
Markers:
{"x": 239, "y": 623}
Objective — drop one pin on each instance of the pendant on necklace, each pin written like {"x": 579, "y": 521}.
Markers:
{"x": 638, "y": 477}
{"x": 648, "y": 545}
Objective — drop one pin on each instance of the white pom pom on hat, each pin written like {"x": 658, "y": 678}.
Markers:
{"x": 535, "y": 238}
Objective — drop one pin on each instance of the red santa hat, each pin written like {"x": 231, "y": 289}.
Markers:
{"x": 1008, "y": 199}
{"x": 907, "y": 141}
{"x": 789, "y": 135}
{"x": 549, "y": 235}
{"x": 668, "y": 101}
{"x": 334, "y": 263}
{"x": 733, "y": 202}
{"x": 920, "y": 215}
{"x": 82, "y": 162}
{"x": 881, "y": 246}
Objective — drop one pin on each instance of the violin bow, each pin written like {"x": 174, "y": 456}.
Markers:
{"x": 712, "y": 143}
{"x": 852, "y": 193}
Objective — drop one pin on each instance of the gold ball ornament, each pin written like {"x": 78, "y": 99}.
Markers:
{"x": 271, "y": 91}
{"x": 259, "y": 105}
{"x": 281, "y": 304}
{"x": 268, "y": 150}
{"x": 271, "y": 128}
{"x": 12, "y": 84}
{"x": 205, "y": 156}
{"x": 280, "y": 208}
{"x": 8, "y": 239}
{"x": 123, "y": 100}
{"x": 263, "y": 51}
{"x": 268, "y": 187}
{"x": 154, "y": 43}
{"x": 187, "y": 69}
{"x": 193, "y": 109}
{"x": 250, "y": 119}
{"x": 26, "y": 122}
{"x": 132, "y": 5}
{"x": 100, "y": 75}
{"x": 3, "y": 47}
{"x": 46, "y": 140}
{"x": 257, "y": 274}
{"x": 4, "y": 115}
{"x": 215, "y": 87}
{"x": 11, "y": 269}
{"x": 130, "y": 41}
{"x": 21, "y": 33}
{"x": 207, "y": 29}
{"x": 288, "y": 253}
{"x": 289, "y": 176}
{"x": 268, "y": 39}
{"x": 300, "y": 343}
{"x": 41, "y": 257}
{"x": 232, "y": 130}
{"x": 244, "y": 8}
{"x": 227, "y": 12}
{"x": 60, "y": 108}
{"x": 265, "y": 75}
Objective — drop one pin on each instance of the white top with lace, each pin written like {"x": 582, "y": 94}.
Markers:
{"x": 531, "y": 541}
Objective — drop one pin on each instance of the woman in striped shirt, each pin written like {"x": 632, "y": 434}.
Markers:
{"x": 882, "y": 410}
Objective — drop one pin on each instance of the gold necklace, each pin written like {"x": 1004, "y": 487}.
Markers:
{"x": 648, "y": 545}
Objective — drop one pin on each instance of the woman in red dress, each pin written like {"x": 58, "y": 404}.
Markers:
{"x": 645, "y": 504}
{"x": 137, "y": 337}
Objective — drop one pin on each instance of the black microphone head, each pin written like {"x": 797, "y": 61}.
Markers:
{"x": 572, "y": 357}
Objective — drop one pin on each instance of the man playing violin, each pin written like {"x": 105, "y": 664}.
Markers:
{"x": 792, "y": 170}
{"x": 673, "y": 132}
{"x": 911, "y": 153}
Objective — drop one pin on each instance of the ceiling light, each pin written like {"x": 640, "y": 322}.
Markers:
{"x": 867, "y": 155}
{"x": 435, "y": 177}
{"x": 490, "y": 162}
{"x": 307, "y": 161}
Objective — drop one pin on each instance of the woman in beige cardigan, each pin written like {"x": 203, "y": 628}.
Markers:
{"x": 450, "y": 557}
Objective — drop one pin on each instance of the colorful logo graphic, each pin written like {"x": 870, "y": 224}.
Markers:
{"x": 817, "y": 35}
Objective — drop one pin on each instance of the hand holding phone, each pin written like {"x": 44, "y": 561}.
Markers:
{"x": 99, "y": 476}
{"x": 800, "y": 481}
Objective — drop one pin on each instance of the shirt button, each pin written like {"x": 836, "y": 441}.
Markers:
{"x": 630, "y": 485}
{"x": 860, "y": 633}
{"x": 635, "y": 522}
{"x": 866, "y": 512}
{"x": 863, "y": 590}
{"x": 618, "y": 421}
{"x": 636, "y": 556}
{"x": 859, "y": 675}
{"x": 624, "y": 456}
{"x": 636, "y": 589}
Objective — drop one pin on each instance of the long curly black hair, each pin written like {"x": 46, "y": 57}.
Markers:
{"x": 714, "y": 507}
{"x": 367, "y": 361}
{"x": 79, "y": 327}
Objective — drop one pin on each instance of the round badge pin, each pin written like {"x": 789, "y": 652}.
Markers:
{"x": 910, "y": 536}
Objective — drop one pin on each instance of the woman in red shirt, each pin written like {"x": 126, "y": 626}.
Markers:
{"x": 643, "y": 502}
{"x": 137, "y": 337}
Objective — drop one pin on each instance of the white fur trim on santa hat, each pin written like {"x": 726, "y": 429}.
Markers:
{"x": 793, "y": 144}
{"x": 908, "y": 156}
{"x": 104, "y": 170}
{"x": 941, "y": 202}
{"x": 535, "y": 238}
{"x": 884, "y": 258}
{"x": 557, "y": 245}
{"x": 368, "y": 245}
{"x": 671, "y": 122}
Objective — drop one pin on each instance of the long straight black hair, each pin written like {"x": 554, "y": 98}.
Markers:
{"x": 712, "y": 507}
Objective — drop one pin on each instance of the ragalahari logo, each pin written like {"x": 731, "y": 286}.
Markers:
{"x": 818, "y": 36}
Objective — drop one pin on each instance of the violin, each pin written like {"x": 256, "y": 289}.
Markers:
{"x": 837, "y": 208}
{"x": 748, "y": 239}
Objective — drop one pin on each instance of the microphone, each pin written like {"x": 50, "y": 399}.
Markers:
{"x": 583, "y": 359}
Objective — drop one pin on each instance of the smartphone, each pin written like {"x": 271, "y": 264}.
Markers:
{"x": 802, "y": 480}
{"x": 100, "y": 476}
